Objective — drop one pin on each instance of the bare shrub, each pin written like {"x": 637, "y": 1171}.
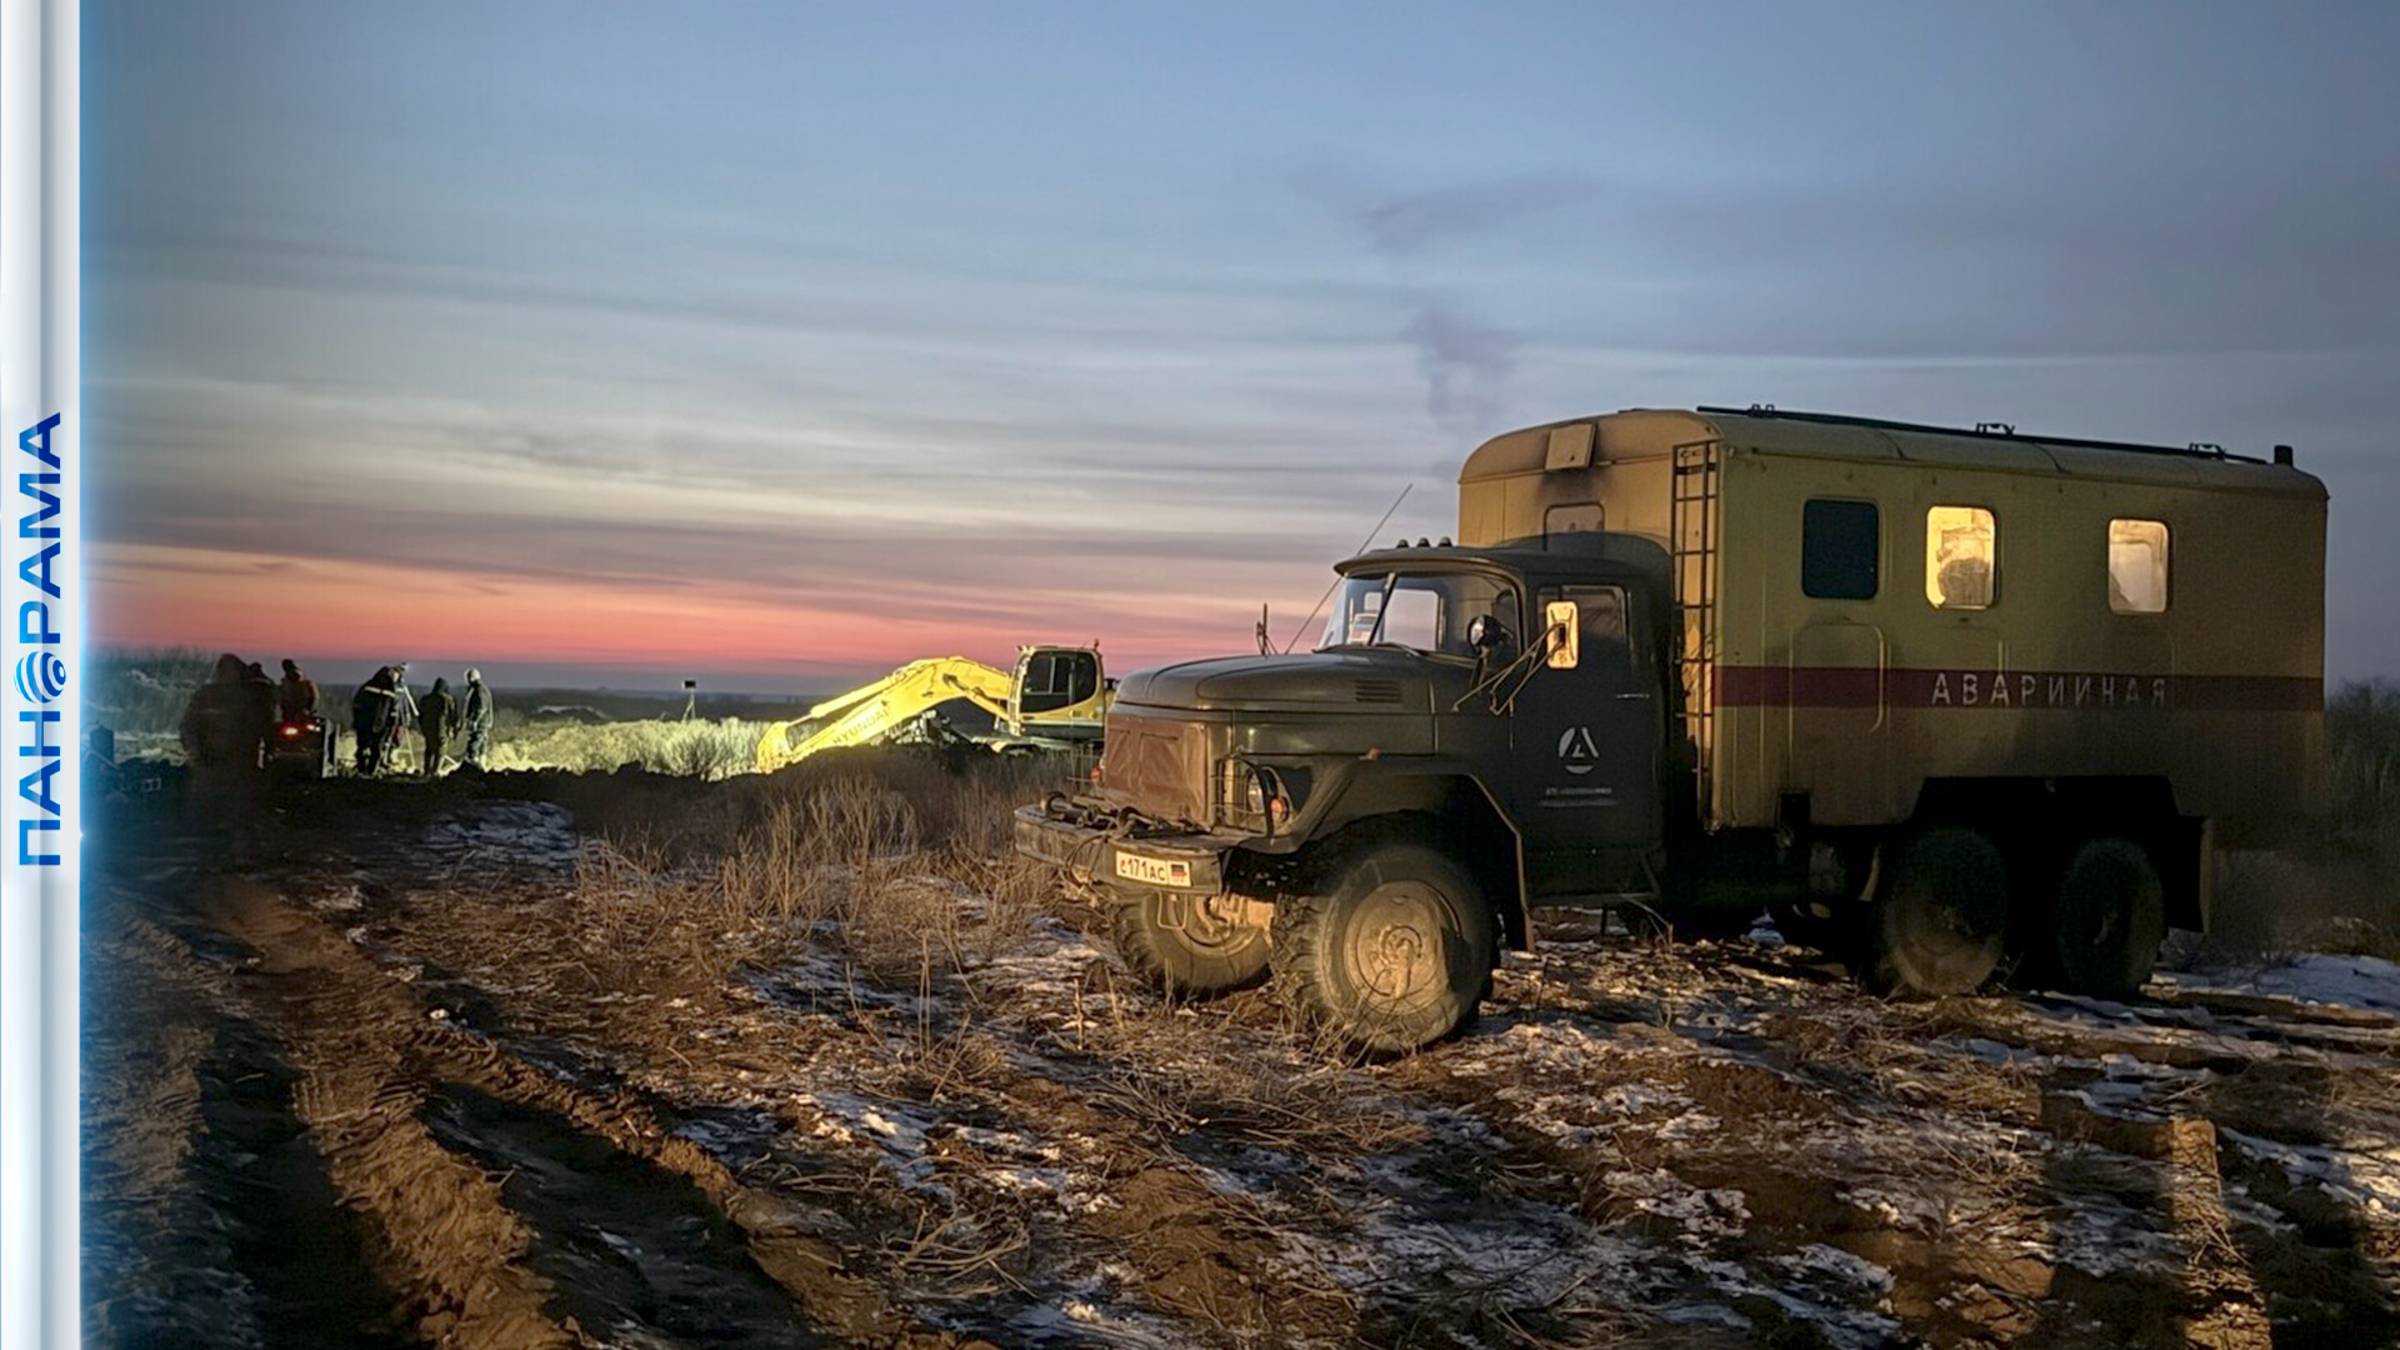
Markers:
{"x": 900, "y": 885}
{"x": 2339, "y": 889}
{"x": 144, "y": 691}
{"x": 2269, "y": 906}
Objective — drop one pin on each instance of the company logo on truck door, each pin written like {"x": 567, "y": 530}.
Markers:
{"x": 2025, "y": 690}
{"x": 1576, "y": 753}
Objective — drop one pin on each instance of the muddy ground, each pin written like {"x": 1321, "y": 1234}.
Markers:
{"x": 436, "y": 1066}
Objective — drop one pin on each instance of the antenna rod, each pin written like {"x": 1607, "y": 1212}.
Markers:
{"x": 1362, "y": 547}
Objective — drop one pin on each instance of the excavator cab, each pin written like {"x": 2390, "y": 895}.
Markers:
{"x": 1055, "y": 694}
{"x": 1058, "y": 693}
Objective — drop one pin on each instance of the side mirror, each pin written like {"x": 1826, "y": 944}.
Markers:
{"x": 1563, "y": 620}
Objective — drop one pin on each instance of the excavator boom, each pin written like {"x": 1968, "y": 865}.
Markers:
{"x": 873, "y": 711}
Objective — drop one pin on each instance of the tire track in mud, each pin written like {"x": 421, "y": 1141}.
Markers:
{"x": 210, "y": 1217}
{"x": 772, "y": 1234}
{"x": 395, "y": 1096}
{"x": 446, "y": 1241}
{"x": 158, "y": 1256}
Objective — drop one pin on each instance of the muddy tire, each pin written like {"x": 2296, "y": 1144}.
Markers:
{"x": 1941, "y": 918}
{"x": 1176, "y": 945}
{"x": 1393, "y": 954}
{"x": 2109, "y": 920}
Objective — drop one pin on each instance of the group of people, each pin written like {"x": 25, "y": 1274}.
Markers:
{"x": 230, "y": 721}
{"x": 230, "y": 724}
{"x": 383, "y": 711}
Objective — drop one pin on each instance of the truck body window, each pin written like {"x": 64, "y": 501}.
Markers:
{"x": 1962, "y": 557}
{"x": 1839, "y": 545}
{"x": 2137, "y": 566}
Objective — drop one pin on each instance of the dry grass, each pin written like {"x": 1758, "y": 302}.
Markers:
{"x": 693, "y": 749}
{"x": 902, "y": 872}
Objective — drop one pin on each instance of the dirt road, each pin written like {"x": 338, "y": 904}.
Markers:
{"x": 359, "y": 1094}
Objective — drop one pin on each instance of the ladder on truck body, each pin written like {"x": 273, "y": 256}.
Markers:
{"x": 1694, "y": 538}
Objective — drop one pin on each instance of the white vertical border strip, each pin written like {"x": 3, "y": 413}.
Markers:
{"x": 62, "y": 895}
{"x": 41, "y": 622}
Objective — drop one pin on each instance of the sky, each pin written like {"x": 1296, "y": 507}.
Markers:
{"x": 776, "y": 345}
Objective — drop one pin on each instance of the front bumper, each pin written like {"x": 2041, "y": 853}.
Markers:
{"x": 1113, "y": 851}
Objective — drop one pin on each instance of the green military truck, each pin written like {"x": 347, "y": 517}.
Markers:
{"x": 1944, "y": 702}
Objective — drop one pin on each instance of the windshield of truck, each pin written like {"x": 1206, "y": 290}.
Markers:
{"x": 1429, "y": 613}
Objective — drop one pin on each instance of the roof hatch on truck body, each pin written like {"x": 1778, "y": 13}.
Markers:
{"x": 1555, "y": 478}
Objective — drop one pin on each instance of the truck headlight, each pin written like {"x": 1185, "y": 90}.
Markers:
{"x": 1252, "y": 794}
{"x": 1267, "y": 797}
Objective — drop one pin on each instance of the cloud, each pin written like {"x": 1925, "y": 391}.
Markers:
{"x": 1403, "y": 224}
{"x": 1466, "y": 367}
{"x": 1464, "y": 362}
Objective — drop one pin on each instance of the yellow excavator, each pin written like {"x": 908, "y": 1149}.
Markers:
{"x": 1057, "y": 698}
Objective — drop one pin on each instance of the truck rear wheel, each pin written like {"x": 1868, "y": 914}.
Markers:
{"x": 1181, "y": 944}
{"x": 1941, "y": 914}
{"x": 2109, "y": 920}
{"x": 1393, "y": 955}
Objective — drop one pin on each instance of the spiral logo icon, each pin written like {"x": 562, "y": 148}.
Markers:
{"x": 41, "y": 677}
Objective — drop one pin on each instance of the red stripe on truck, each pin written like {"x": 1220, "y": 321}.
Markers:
{"x": 2037, "y": 690}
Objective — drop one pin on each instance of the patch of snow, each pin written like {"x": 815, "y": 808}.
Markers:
{"x": 1843, "y": 1327}
{"x": 2102, "y": 1235}
{"x": 896, "y": 1131}
{"x": 2368, "y": 983}
{"x": 2366, "y": 1176}
{"x": 538, "y": 836}
{"x": 1052, "y": 960}
{"x": 1819, "y": 1258}
{"x": 1089, "y": 1319}
{"x": 1702, "y": 1214}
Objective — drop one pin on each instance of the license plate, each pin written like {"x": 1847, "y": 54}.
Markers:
{"x": 1154, "y": 871}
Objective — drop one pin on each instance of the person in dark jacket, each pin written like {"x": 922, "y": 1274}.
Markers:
{"x": 477, "y": 719}
{"x": 373, "y": 710}
{"x": 224, "y": 734}
{"x": 437, "y": 716}
{"x": 258, "y": 711}
{"x": 211, "y": 728}
{"x": 297, "y": 698}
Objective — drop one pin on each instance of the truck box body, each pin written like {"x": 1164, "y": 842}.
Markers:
{"x": 2106, "y": 612}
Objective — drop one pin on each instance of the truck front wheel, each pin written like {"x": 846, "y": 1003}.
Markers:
{"x": 1942, "y": 913}
{"x": 1393, "y": 954}
{"x": 1188, "y": 944}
